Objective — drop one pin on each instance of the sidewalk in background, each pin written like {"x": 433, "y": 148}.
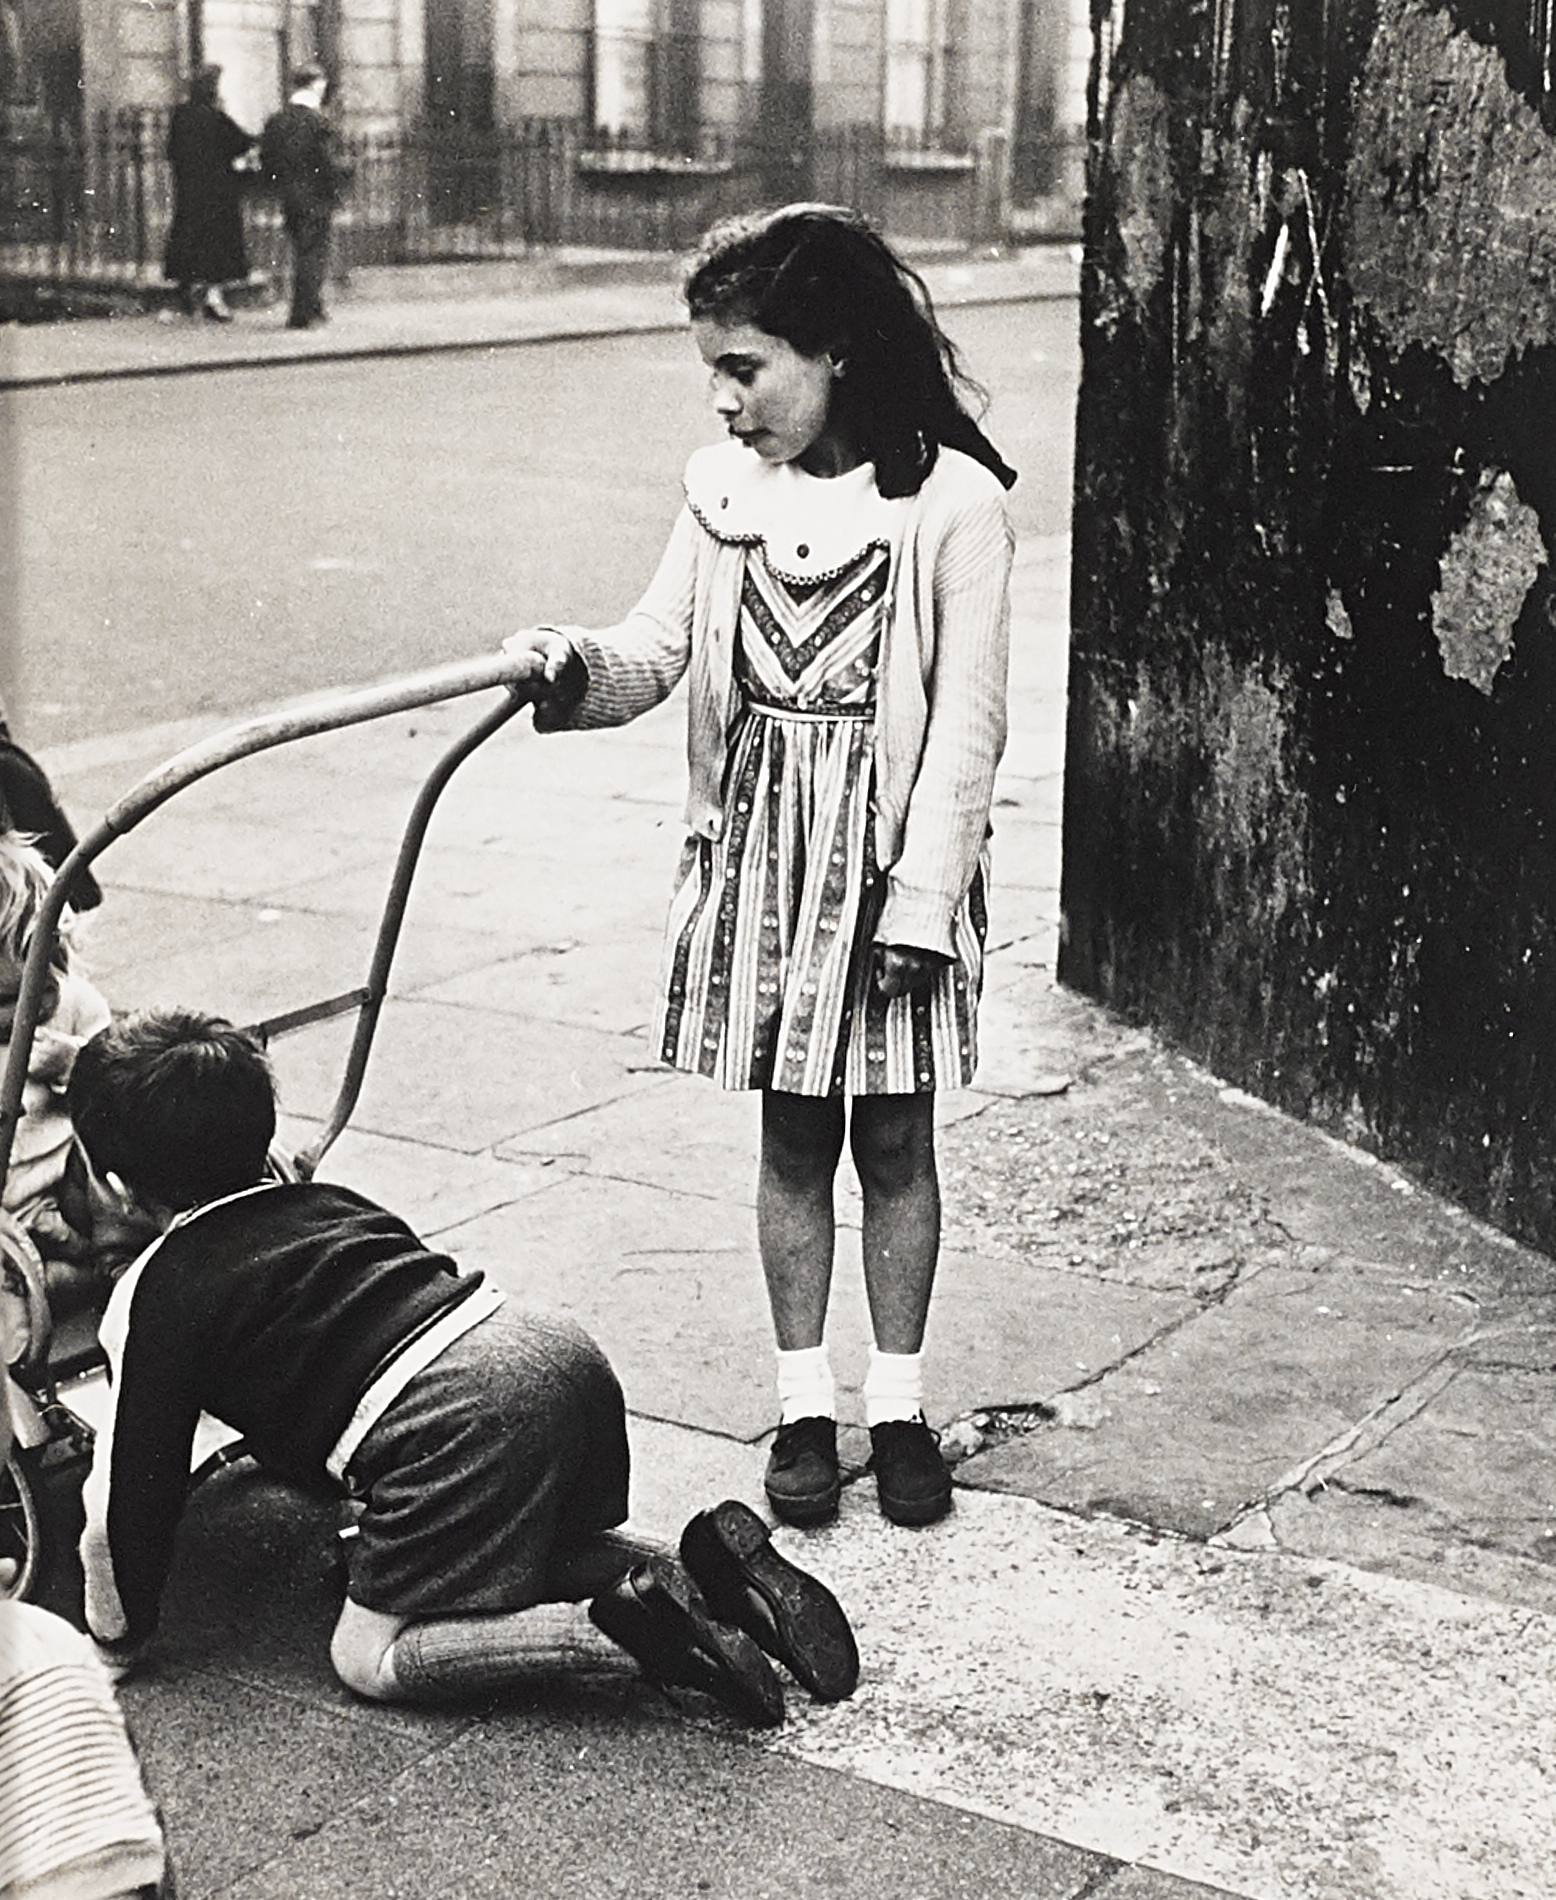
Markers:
{"x": 1250, "y": 1577}
{"x": 404, "y": 311}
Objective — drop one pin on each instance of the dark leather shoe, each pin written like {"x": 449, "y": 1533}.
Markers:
{"x": 793, "y": 1615}
{"x": 802, "y": 1481}
{"x": 658, "y": 1615}
{"x": 911, "y": 1479}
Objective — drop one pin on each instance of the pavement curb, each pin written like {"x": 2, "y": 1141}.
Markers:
{"x": 45, "y": 356}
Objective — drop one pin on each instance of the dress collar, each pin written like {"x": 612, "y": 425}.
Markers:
{"x": 809, "y": 527}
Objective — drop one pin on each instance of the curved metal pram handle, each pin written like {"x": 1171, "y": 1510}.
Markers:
{"x": 324, "y": 712}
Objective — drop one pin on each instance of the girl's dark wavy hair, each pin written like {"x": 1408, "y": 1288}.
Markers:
{"x": 820, "y": 278}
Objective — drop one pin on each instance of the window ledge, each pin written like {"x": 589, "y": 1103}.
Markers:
{"x": 928, "y": 162}
{"x": 666, "y": 164}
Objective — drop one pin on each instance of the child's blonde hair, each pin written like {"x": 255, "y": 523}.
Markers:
{"x": 25, "y": 877}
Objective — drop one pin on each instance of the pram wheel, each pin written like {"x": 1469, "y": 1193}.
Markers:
{"x": 40, "y": 1525}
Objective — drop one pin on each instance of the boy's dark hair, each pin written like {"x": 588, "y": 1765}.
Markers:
{"x": 822, "y": 280}
{"x": 180, "y": 1105}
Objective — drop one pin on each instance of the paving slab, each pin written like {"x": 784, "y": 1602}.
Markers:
{"x": 619, "y": 1803}
{"x": 587, "y": 1779}
{"x": 1210, "y": 1418}
{"x": 252, "y": 961}
{"x": 248, "y": 860}
{"x": 1403, "y": 1538}
{"x": 462, "y": 1078}
{"x": 607, "y": 985}
{"x": 435, "y": 1189}
{"x": 1482, "y": 1454}
{"x": 668, "y": 1283}
{"x": 1026, "y": 1037}
{"x": 1019, "y": 1337}
{"x": 526, "y": 903}
{"x": 1272, "y": 1726}
{"x": 682, "y": 1133}
{"x": 1326, "y": 1194}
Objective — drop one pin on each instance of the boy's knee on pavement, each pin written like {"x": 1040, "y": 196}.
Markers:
{"x": 362, "y": 1651}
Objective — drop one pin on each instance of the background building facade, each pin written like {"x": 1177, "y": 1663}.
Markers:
{"x": 936, "y": 80}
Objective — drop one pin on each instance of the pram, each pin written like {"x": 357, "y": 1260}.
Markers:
{"x": 57, "y": 1390}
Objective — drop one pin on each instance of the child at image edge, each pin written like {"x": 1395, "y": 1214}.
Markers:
{"x": 40, "y": 1149}
{"x": 75, "y": 1821}
{"x": 837, "y": 588}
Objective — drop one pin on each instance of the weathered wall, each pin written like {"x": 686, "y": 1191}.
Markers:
{"x": 1312, "y": 746}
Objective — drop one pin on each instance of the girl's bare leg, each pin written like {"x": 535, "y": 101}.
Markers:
{"x": 893, "y": 1139}
{"x": 802, "y": 1142}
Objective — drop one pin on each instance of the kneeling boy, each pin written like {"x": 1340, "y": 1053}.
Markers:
{"x": 487, "y": 1447}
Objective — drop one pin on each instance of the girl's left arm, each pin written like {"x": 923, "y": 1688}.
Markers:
{"x": 947, "y": 817}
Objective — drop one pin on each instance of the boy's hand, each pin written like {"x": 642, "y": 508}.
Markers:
{"x": 556, "y": 678}
{"x": 904, "y": 969}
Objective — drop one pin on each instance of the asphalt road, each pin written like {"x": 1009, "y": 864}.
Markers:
{"x": 206, "y": 544}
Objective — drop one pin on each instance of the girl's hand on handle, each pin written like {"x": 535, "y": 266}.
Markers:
{"x": 903, "y": 969}
{"x": 556, "y": 678}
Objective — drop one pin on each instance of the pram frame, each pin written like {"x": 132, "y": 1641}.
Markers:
{"x": 330, "y": 712}
{"x": 41, "y": 1420}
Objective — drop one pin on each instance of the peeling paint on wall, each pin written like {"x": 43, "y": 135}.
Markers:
{"x": 1487, "y": 571}
{"x": 1140, "y": 153}
{"x": 1444, "y": 146}
{"x": 1238, "y": 719}
{"x": 1256, "y": 811}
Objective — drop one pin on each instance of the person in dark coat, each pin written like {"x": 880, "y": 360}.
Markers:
{"x": 205, "y": 247}
{"x": 299, "y": 153}
{"x": 28, "y": 804}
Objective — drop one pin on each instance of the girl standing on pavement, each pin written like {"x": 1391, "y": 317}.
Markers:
{"x": 837, "y": 588}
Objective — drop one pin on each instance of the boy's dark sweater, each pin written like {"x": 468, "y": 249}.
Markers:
{"x": 273, "y": 1311}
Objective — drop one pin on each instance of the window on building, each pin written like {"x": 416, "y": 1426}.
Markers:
{"x": 646, "y": 71}
{"x": 460, "y": 88}
{"x": 623, "y": 54}
{"x": 312, "y": 34}
{"x": 918, "y": 61}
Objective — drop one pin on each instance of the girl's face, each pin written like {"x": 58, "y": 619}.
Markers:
{"x": 773, "y": 398}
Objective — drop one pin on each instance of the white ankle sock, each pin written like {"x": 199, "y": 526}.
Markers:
{"x": 805, "y": 1385}
{"x": 893, "y": 1386}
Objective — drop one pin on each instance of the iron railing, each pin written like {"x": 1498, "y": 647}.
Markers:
{"x": 96, "y": 208}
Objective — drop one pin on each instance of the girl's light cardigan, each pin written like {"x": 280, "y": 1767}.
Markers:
{"x": 941, "y": 684}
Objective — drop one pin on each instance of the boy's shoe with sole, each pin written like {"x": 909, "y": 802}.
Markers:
{"x": 793, "y": 1615}
{"x": 658, "y": 1615}
{"x": 803, "y": 1483}
{"x": 911, "y": 1479}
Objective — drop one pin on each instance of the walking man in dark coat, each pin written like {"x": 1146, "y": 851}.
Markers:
{"x": 300, "y": 154}
{"x": 205, "y": 247}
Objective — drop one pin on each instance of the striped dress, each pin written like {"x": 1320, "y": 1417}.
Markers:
{"x": 769, "y": 953}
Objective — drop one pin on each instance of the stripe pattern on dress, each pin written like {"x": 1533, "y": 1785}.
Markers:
{"x": 769, "y": 953}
